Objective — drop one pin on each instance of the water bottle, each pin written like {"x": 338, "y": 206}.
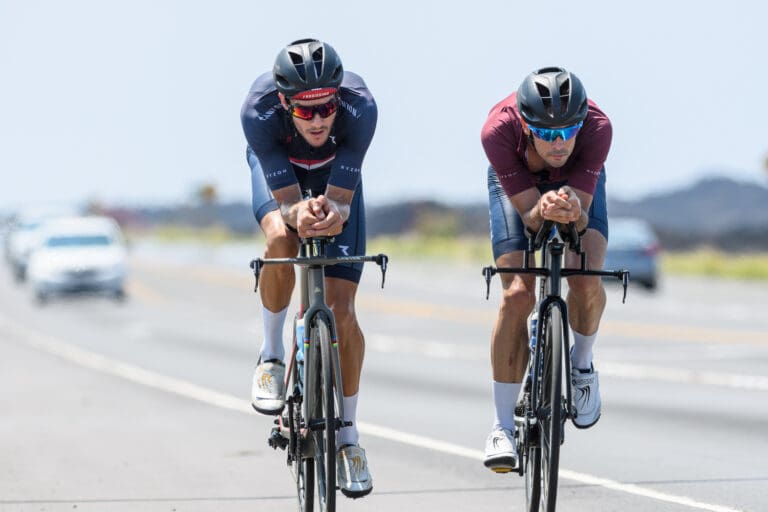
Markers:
{"x": 300, "y": 349}
{"x": 534, "y": 321}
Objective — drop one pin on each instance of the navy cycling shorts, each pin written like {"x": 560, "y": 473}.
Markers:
{"x": 351, "y": 241}
{"x": 507, "y": 229}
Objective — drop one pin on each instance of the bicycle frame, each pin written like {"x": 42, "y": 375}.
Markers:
{"x": 313, "y": 312}
{"x": 552, "y": 240}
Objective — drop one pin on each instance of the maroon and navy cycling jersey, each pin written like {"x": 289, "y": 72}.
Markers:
{"x": 505, "y": 144}
{"x": 286, "y": 158}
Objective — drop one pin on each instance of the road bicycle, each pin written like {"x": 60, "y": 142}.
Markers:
{"x": 313, "y": 411}
{"x": 544, "y": 406}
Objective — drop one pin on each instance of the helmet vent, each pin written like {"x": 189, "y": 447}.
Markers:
{"x": 317, "y": 60}
{"x": 298, "y": 63}
{"x": 565, "y": 94}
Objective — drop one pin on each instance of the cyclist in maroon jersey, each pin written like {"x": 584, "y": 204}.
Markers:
{"x": 547, "y": 144}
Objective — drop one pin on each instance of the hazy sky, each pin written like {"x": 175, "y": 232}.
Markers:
{"x": 138, "y": 102}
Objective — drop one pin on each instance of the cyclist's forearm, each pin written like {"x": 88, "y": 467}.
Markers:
{"x": 289, "y": 200}
{"x": 290, "y": 212}
{"x": 533, "y": 218}
{"x": 583, "y": 221}
{"x": 341, "y": 198}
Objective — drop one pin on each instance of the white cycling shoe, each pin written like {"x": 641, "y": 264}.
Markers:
{"x": 500, "y": 451}
{"x": 268, "y": 391}
{"x": 585, "y": 393}
{"x": 352, "y": 473}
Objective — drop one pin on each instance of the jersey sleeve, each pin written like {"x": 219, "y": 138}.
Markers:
{"x": 596, "y": 138}
{"x": 346, "y": 169}
{"x": 262, "y": 128}
{"x": 501, "y": 140}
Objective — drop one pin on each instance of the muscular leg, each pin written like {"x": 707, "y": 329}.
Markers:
{"x": 277, "y": 281}
{"x": 586, "y": 295}
{"x": 340, "y": 296}
{"x": 509, "y": 341}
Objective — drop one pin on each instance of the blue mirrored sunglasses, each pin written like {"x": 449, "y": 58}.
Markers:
{"x": 550, "y": 134}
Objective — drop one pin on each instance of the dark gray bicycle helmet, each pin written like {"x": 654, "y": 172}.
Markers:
{"x": 307, "y": 64}
{"x": 552, "y": 97}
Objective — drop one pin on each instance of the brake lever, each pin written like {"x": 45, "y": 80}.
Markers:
{"x": 625, "y": 283}
{"x": 256, "y": 266}
{"x": 488, "y": 274}
{"x": 382, "y": 260}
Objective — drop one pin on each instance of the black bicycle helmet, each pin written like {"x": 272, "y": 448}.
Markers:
{"x": 305, "y": 65}
{"x": 552, "y": 97}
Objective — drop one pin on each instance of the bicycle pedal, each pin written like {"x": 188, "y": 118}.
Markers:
{"x": 502, "y": 470}
{"x": 276, "y": 440}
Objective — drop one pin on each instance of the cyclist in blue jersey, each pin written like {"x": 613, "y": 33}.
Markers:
{"x": 308, "y": 125}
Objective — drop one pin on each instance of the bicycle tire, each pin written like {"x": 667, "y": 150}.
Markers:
{"x": 532, "y": 477}
{"x": 531, "y": 453}
{"x": 551, "y": 424}
{"x": 325, "y": 436}
{"x": 302, "y": 466}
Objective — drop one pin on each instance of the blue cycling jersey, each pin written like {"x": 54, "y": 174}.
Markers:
{"x": 286, "y": 158}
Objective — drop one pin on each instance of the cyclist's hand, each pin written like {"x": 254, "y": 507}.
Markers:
{"x": 561, "y": 206}
{"x": 321, "y": 218}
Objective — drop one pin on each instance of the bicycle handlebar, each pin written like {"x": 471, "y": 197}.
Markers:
{"x": 537, "y": 240}
{"x": 318, "y": 243}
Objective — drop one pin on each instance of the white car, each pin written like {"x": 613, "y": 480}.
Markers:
{"x": 78, "y": 254}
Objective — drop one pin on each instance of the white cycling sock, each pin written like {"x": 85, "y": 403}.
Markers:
{"x": 581, "y": 355}
{"x": 272, "y": 347}
{"x": 349, "y": 435}
{"x": 504, "y": 398}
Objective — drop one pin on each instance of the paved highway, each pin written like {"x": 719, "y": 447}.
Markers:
{"x": 144, "y": 405}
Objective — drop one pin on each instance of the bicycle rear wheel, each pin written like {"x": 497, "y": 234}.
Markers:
{"x": 324, "y": 421}
{"x": 552, "y": 417}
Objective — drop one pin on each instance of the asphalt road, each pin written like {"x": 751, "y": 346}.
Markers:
{"x": 143, "y": 405}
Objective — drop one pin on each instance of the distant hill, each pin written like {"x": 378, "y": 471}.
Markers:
{"x": 714, "y": 211}
{"x": 717, "y": 212}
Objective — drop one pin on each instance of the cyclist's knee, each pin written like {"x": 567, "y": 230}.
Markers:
{"x": 585, "y": 286}
{"x": 517, "y": 300}
{"x": 280, "y": 241}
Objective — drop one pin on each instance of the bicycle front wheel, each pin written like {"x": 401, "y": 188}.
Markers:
{"x": 302, "y": 464}
{"x": 324, "y": 422}
{"x": 551, "y": 400}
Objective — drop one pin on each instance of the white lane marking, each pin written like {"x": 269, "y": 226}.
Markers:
{"x": 453, "y": 449}
{"x": 187, "y": 389}
{"x": 445, "y": 350}
{"x": 685, "y": 375}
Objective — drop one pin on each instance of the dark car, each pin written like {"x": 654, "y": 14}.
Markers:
{"x": 633, "y": 245}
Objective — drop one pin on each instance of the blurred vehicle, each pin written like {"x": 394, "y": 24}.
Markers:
{"x": 78, "y": 254}
{"x": 23, "y": 236}
{"x": 633, "y": 245}
{"x": 21, "y": 241}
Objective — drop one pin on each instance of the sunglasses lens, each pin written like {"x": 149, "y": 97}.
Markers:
{"x": 303, "y": 112}
{"x": 308, "y": 112}
{"x": 550, "y": 134}
{"x": 326, "y": 109}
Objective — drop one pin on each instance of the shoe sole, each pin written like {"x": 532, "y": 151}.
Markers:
{"x": 583, "y": 427}
{"x": 356, "y": 494}
{"x": 268, "y": 412}
{"x": 504, "y": 464}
